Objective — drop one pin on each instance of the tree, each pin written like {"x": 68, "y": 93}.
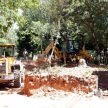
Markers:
{"x": 92, "y": 17}
{"x": 27, "y": 41}
{"x": 10, "y": 37}
{"x": 41, "y": 30}
{"x": 9, "y": 12}
{"x": 54, "y": 11}
{"x": 30, "y": 26}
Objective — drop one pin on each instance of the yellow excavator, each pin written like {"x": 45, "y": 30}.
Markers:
{"x": 69, "y": 52}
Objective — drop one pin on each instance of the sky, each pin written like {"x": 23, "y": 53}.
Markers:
{"x": 15, "y": 25}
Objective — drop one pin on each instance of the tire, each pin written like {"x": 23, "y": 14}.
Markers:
{"x": 63, "y": 60}
{"x": 17, "y": 78}
{"x": 77, "y": 60}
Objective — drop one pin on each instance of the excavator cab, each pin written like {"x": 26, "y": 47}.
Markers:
{"x": 70, "y": 47}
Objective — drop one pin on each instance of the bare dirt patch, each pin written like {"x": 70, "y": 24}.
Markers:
{"x": 30, "y": 64}
{"x": 47, "y": 97}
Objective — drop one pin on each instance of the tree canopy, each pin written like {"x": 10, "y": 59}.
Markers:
{"x": 92, "y": 18}
{"x": 9, "y": 14}
{"x": 43, "y": 21}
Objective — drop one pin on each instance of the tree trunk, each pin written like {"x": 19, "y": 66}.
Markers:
{"x": 95, "y": 40}
{"x": 50, "y": 29}
{"x": 41, "y": 46}
{"x": 55, "y": 40}
{"x": 63, "y": 36}
{"x": 96, "y": 43}
{"x": 83, "y": 45}
{"x": 32, "y": 55}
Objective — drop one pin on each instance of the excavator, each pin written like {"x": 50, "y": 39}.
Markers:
{"x": 70, "y": 51}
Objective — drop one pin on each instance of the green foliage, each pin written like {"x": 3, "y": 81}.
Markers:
{"x": 10, "y": 37}
{"x": 39, "y": 69}
{"x": 36, "y": 69}
{"x": 32, "y": 29}
{"x": 39, "y": 28}
{"x": 56, "y": 69}
{"x": 45, "y": 65}
{"x": 3, "y": 25}
{"x": 42, "y": 19}
{"x": 88, "y": 72}
{"x": 3, "y": 41}
{"x": 91, "y": 18}
{"x": 9, "y": 12}
{"x": 28, "y": 41}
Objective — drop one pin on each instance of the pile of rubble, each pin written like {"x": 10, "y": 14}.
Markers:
{"x": 59, "y": 82}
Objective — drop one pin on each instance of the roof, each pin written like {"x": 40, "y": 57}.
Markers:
{"x": 4, "y": 45}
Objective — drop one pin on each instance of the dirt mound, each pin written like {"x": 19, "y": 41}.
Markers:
{"x": 30, "y": 64}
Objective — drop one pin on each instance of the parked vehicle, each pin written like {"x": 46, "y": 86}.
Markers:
{"x": 70, "y": 52}
{"x": 11, "y": 71}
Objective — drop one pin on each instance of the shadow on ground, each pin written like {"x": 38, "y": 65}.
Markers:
{"x": 10, "y": 89}
{"x": 102, "y": 79}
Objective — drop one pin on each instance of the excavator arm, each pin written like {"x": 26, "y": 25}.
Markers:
{"x": 59, "y": 54}
{"x": 49, "y": 47}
